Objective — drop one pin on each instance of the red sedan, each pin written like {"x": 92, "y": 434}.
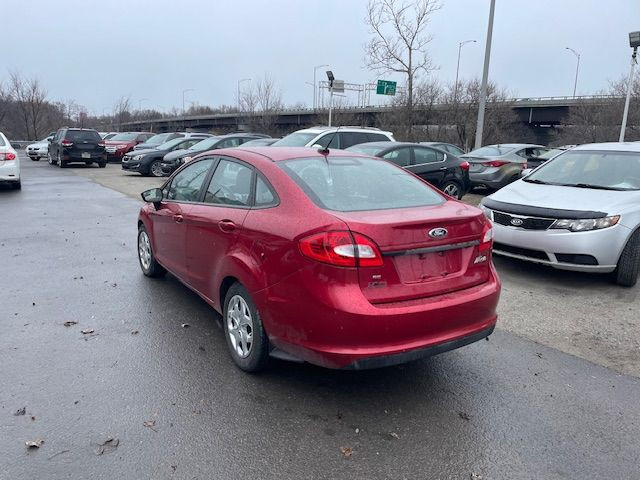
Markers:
{"x": 337, "y": 259}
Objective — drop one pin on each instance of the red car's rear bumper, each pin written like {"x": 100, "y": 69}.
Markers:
{"x": 333, "y": 325}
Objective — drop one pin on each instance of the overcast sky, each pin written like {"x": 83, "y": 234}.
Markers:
{"x": 94, "y": 52}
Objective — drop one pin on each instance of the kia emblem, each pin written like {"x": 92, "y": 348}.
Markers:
{"x": 516, "y": 222}
{"x": 438, "y": 232}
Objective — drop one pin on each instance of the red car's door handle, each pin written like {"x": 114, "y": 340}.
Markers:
{"x": 227, "y": 226}
{"x": 178, "y": 218}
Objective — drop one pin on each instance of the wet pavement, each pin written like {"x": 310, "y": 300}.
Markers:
{"x": 143, "y": 397}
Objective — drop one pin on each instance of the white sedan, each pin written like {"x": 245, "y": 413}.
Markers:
{"x": 9, "y": 163}
{"x": 39, "y": 150}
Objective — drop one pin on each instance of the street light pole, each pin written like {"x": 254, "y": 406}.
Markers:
{"x": 315, "y": 95}
{"x": 239, "y": 82}
{"x": 460, "y": 45}
{"x": 623, "y": 127}
{"x": 575, "y": 83}
{"x": 331, "y": 78}
{"x": 183, "y": 92}
{"x": 485, "y": 76}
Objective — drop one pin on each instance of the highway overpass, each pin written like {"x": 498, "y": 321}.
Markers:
{"x": 535, "y": 112}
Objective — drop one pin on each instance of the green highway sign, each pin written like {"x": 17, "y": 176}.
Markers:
{"x": 386, "y": 87}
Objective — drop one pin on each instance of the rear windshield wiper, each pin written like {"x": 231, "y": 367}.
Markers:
{"x": 589, "y": 185}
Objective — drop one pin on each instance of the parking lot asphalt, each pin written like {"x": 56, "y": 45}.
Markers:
{"x": 141, "y": 396}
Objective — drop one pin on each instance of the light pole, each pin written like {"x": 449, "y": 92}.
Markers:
{"x": 634, "y": 42}
{"x": 331, "y": 78}
{"x": 239, "y": 82}
{"x": 485, "y": 76}
{"x": 575, "y": 82}
{"x": 315, "y": 88}
{"x": 460, "y": 45}
{"x": 183, "y": 92}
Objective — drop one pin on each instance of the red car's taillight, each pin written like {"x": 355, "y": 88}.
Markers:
{"x": 487, "y": 237}
{"x": 495, "y": 163}
{"x": 341, "y": 248}
{"x": 66, "y": 143}
{"x": 7, "y": 156}
{"x": 464, "y": 165}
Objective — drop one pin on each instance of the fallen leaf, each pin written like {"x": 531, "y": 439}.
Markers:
{"x": 357, "y": 430}
{"x": 109, "y": 445}
{"x": 185, "y": 325}
{"x": 201, "y": 348}
{"x": 135, "y": 332}
{"x": 33, "y": 418}
{"x": 475, "y": 476}
{"x": 346, "y": 451}
{"x": 87, "y": 331}
{"x": 394, "y": 435}
{"x": 68, "y": 323}
{"x": 150, "y": 424}
{"x": 464, "y": 415}
{"x": 37, "y": 443}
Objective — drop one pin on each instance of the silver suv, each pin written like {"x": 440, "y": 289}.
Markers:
{"x": 334, "y": 137}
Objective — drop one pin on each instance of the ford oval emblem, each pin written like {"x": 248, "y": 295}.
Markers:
{"x": 516, "y": 222}
{"x": 438, "y": 232}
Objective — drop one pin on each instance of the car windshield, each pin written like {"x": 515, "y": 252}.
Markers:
{"x": 365, "y": 149}
{"x": 124, "y": 137}
{"x": 348, "y": 184}
{"x": 83, "y": 135}
{"x": 205, "y": 144}
{"x": 170, "y": 144}
{"x": 296, "y": 139}
{"x": 490, "y": 150}
{"x": 591, "y": 169}
{"x": 158, "y": 139}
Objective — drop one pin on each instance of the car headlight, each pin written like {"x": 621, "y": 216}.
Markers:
{"x": 586, "y": 224}
{"x": 137, "y": 157}
{"x": 487, "y": 212}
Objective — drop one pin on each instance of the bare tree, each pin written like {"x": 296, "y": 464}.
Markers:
{"x": 400, "y": 40}
{"x": 261, "y": 102}
{"x": 29, "y": 98}
{"x": 122, "y": 111}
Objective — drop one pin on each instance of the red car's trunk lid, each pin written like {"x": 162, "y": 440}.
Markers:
{"x": 420, "y": 259}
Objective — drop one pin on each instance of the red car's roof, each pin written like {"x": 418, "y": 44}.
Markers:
{"x": 277, "y": 154}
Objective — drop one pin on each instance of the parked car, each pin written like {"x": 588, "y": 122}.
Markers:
{"x": 147, "y": 162}
{"x": 77, "y": 145}
{"x": 494, "y": 166}
{"x": 333, "y": 137}
{"x": 40, "y": 149}
{"x": 579, "y": 211}
{"x": 442, "y": 170}
{"x": 174, "y": 159}
{"x": 260, "y": 142}
{"x": 161, "y": 138}
{"x": 447, "y": 147}
{"x": 123, "y": 143}
{"x": 380, "y": 269}
{"x": 536, "y": 161}
{"x": 9, "y": 164}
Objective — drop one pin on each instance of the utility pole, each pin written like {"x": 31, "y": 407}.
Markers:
{"x": 315, "y": 88}
{"x": 485, "y": 76}
{"x": 623, "y": 127}
{"x": 183, "y": 92}
{"x": 575, "y": 83}
{"x": 455, "y": 91}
